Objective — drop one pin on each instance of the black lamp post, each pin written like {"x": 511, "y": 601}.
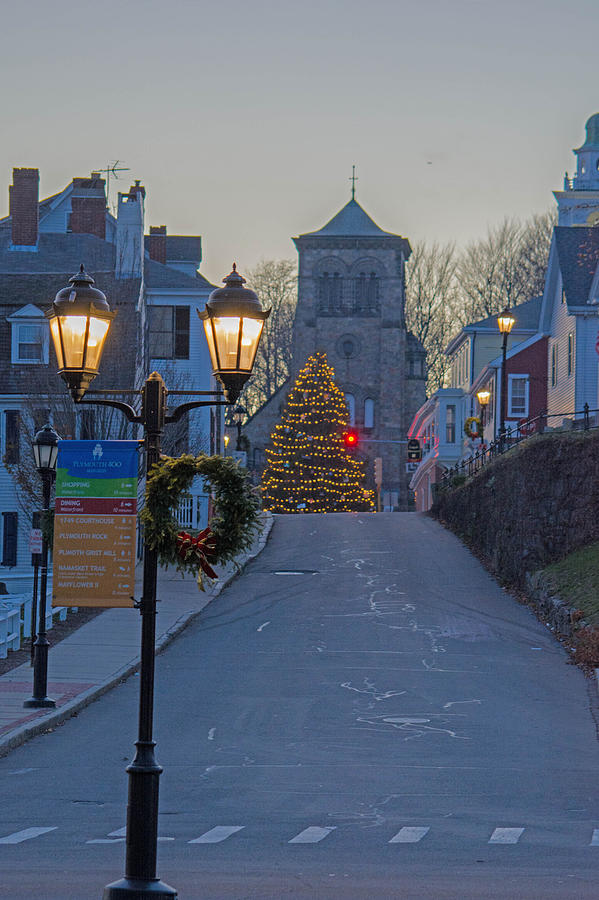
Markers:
{"x": 79, "y": 320}
{"x": 45, "y": 451}
{"x": 506, "y": 322}
{"x": 238, "y": 414}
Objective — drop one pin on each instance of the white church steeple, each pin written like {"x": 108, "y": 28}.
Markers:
{"x": 578, "y": 203}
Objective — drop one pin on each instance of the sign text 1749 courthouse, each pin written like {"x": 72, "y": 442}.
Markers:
{"x": 94, "y": 523}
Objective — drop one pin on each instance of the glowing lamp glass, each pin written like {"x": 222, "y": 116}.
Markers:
{"x": 483, "y": 397}
{"x": 233, "y": 342}
{"x": 79, "y": 340}
{"x": 505, "y": 322}
{"x": 55, "y": 332}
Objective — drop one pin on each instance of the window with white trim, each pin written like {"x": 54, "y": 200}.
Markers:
{"x": 168, "y": 332}
{"x": 517, "y": 396}
{"x": 450, "y": 423}
{"x": 29, "y": 336}
{"x": 570, "y": 353}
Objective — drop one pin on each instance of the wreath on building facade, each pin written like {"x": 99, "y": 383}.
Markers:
{"x": 472, "y": 427}
{"x": 232, "y": 527}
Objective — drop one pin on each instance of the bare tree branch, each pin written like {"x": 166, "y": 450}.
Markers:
{"x": 432, "y": 304}
{"x": 275, "y": 282}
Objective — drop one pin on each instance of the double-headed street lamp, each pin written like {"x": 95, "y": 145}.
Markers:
{"x": 45, "y": 452}
{"x": 505, "y": 322}
{"x": 80, "y": 319}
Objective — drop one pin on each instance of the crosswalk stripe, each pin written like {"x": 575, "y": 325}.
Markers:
{"x": 19, "y": 836}
{"x": 106, "y": 841}
{"x": 409, "y": 834}
{"x": 312, "y": 835}
{"x": 595, "y": 838}
{"x": 120, "y": 832}
{"x": 217, "y": 834}
{"x": 506, "y": 836}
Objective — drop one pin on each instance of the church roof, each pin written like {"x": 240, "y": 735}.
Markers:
{"x": 351, "y": 221}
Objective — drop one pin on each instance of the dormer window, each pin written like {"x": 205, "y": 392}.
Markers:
{"x": 29, "y": 336}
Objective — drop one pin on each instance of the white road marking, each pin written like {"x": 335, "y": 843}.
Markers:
{"x": 264, "y": 624}
{"x": 289, "y": 573}
{"x": 410, "y": 834}
{"x": 211, "y": 734}
{"x": 217, "y": 834}
{"x": 19, "y": 836}
{"x": 506, "y": 836}
{"x": 118, "y": 837}
{"x": 107, "y": 841}
{"x": 312, "y": 835}
{"x": 595, "y": 838}
{"x": 23, "y": 771}
{"x": 454, "y": 702}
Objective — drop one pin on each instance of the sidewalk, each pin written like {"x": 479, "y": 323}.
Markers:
{"x": 101, "y": 653}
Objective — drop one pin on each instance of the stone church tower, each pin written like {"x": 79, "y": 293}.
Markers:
{"x": 351, "y": 299}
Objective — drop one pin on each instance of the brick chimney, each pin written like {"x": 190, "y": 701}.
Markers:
{"x": 88, "y": 206}
{"x": 157, "y": 243}
{"x": 136, "y": 189}
{"x": 23, "y": 201}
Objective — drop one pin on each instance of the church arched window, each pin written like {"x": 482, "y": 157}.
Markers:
{"x": 366, "y": 291}
{"x": 330, "y": 291}
{"x": 351, "y": 405}
{"x": 369, "y": 413}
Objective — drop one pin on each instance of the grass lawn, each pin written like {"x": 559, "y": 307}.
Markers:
{"x": 576, "y": 579}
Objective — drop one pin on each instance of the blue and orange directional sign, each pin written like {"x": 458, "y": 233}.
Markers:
{"x": 94, "y": 523}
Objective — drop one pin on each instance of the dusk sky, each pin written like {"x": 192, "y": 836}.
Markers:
{"x": 243, "y": 120}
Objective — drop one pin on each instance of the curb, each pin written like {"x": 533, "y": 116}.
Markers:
{"x": 20, "y": 735}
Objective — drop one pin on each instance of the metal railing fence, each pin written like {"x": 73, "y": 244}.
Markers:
{"x": 581, "y": 421}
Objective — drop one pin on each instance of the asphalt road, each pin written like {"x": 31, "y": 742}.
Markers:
{"x": 363, "y": 713}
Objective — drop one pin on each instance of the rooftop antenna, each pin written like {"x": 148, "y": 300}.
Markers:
{"x": 111, "y": 170}
{"x": 353, "y": 180}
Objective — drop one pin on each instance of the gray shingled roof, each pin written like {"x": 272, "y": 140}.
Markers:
{"x": 57, "y": 253}
{"x": 351, "y": 221}
{"x": 526, "y": 315}
{"x": 578, "y": 255}
{"x": 158, "y": 276}
{"x": 180, "y": 247}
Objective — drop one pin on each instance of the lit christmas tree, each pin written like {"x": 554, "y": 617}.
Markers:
{"x": 309, "y": 468}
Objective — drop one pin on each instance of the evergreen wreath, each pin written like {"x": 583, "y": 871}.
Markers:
{"x": 472, "y": 428}
{"x": 231, "y": 529}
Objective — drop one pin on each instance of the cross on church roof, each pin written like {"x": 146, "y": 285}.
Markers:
{"x": 353, "y": 180}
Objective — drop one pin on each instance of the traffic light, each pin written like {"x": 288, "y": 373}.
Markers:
{"x": 378, "y": 471}
{"x": 350, "y": 438}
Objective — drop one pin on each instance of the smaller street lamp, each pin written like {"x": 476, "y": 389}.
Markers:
{"x": 45, "y": 452}
{"x": 233, "y": 321}
{"x": 505, "y": 322}
{"x": 238, "y": 414}
{"x": 483, "y": 398}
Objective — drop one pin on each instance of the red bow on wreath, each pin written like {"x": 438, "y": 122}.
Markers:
{"x": 198, "y": 550}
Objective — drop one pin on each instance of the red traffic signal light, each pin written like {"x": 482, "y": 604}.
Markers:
{"x": 350, "y": 438}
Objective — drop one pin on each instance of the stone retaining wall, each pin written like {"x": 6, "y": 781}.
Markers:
{"x": 531, "y": 506}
